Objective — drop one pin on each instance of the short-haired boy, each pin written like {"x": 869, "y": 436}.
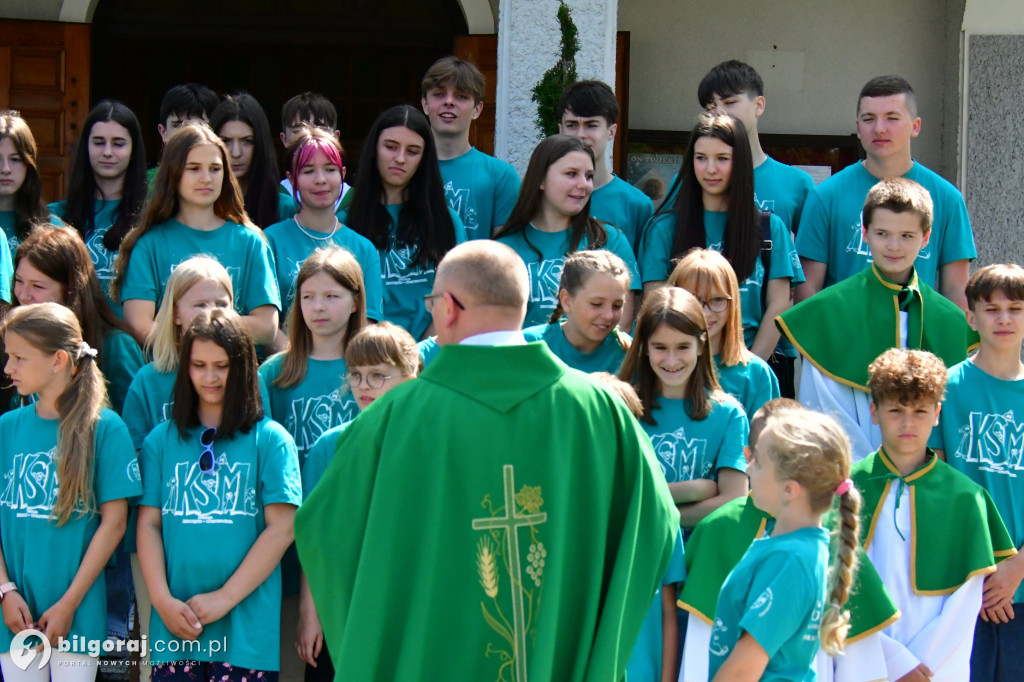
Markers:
{"x": 310, "y": 109}
{"x": 479, "y": 187}
{"x": 931, "y": 532}
{"x": 981, "y": 434}
{"x": 738, "y": 89}
{"x": 588, "y": 110}
{"x": 180, "y": 104}
{"x": 830, "y": 240}
{"x": 843, "y": 328}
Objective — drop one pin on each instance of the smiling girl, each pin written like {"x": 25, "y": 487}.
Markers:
{"x": 316, "y": 171}
{"x": 196, "y": 208}
{"x": 70, "y": 468}
{"x": 107, "y": 185}
{"x": 715, "y": 209}
{"x": 399, "y": 205}
{"x": 698, "y": 432}
{"x": 592, "y": 293}
{"x": 551, "y": 219}
{"x": 241, "y": 123}
{"x": 220, "y": 488}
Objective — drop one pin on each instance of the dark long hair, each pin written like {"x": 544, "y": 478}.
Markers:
{"x": 742, "y": 240}
{"x": 528, "y": 205}
{"x": 28, "y": 201}
{"x": 78, "y": 210}
{"x": 242, "y": 404}
{"x": 424, "y": 222}
{"x": 60, "y": 254}
{"x": 262, "y": 196}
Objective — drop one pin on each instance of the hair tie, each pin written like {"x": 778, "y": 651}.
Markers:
{"x": 85, "y": 349}
{"x": 844, "y": 487}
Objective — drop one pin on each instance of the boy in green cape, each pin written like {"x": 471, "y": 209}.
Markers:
{"x": 842, "y": 329}
{"x": 931, "y": 532}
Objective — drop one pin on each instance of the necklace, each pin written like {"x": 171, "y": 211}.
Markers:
{"x": 337, "y": 224}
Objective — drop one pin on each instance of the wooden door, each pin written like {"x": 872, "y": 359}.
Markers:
{"x": 44, "y": 74}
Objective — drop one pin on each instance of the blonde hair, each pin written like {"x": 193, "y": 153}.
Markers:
{"x": 384, "y": 344}
{"x": 164, "y": 339}
{"x": 52, "y": 328}
{"x": 702, "y": 271}
{"x": 813, "y": 450}
{"x": 343, "y": 268}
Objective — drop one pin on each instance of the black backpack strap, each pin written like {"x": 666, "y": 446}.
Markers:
{"x": 764, "y": 228}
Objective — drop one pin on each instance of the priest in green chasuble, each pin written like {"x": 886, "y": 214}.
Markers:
{"x": 501, "y": 518}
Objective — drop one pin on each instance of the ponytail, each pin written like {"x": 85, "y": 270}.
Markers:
{"x": 836, "y": 622}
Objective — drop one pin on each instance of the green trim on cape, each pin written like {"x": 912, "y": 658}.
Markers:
{"x": 953, "y": 506}
{"x": 842, "y": 329}
{"x": 729, "y": 531}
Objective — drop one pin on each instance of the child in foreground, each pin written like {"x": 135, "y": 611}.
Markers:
{"x": 914, "y": 503}
{"x": 773, "y": 604}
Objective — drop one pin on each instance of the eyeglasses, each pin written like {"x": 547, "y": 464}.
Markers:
{"x": 428, "y": 301}
{"x": 207, "y": 458}
{"x": 373, "y": 379}
{"x": 718, "y": 304}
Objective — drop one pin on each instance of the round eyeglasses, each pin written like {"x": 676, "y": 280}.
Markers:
{"x": 373, "y": 379}
{"x": 718, "y": 304}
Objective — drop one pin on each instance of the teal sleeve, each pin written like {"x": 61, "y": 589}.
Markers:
{"x": 6, "y": 270}
{"x": 140, "y": 277}
{"x": 117, "y": 470}
{"x": 149, "y": 463}
{"x": 460, "y": 229}
{"x": 373, "y": 283}
{"x": 122, "y": 360}
{"x": 506, "y": 192}
{"x": 280, "y": 482}
{"x": 620, "y": 246}
{"x": 267, "y": 372}
{"x": 57, "y": 209}
{"x": 780, "y": 591}
{"x": 806, "y": 187}
{"x": 736, "y": 430}
{"x": 656, "y": 248}
{"x": 676, "y": 571}
{"x": 815, "y": 224}
{"x": 937, "y": 441}
{"x": 319, "y": 457}
{"x": 785, "y": 263}
{"x": 261, "y": 283}
{"x": 135, "y": 413}
{"x": 958, "y": 239}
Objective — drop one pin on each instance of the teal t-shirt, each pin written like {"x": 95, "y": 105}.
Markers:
{"x": 777, "y": 594}
{"x": 292, "y": 246}
{"x": 428, "y": 348}
{"x": 830, "y": 227}
{"x": 210, "y": 522}
{"x": 286, "y": 206}
{"x": 320, "y": 456}
{"x": 689, "y": 449}
{"x": 8, "y": 220}
{"x": 6, "y": 271}
{"x": 243, "y": 252}
{"x": 546, "y": 270}
{"x": 752, "y": 384}
{"x": 624, "y": 206}
{"x": 656, "y": 255}
{"x": 645, "y": 663}
{"x": 782, "y": 189}
{"x": 319, "y": 402}
{"x": 42, "y": 558}
{"x": 481, "y": 189}
{"x": 104, "y": 215}
{"x": 978, "y": 429}
{"x": 605, "y": 358}
{"x": 120, "y": 362}
{"x": 406, "y": 284}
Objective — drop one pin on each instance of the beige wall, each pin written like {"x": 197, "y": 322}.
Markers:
{"x": 814, "y": 56}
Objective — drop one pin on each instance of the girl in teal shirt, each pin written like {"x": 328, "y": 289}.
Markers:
{"x": 551, "y": 219}
{"x": 106, "y": 185}
{"x": 399, "y": 205}
{"x": 593, "y": 290}
{"x": 220, "y": 489}
{"x": 21, "y": 190}
{"x": 773, "y": 605}
{"x": 707, "y": 275}
{"x": 70, "y": 472}
{"x": 54, "y": 265}
{"x": 196, "y": 209}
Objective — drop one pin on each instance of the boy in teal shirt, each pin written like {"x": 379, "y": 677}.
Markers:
{"x": 830, "y": 240}
{"x": 180, "y": 104}
{"x": 310, "y": 109}
{"x": 479, "y": 187}
{"x": 979, "y": 436}
{"x": 588, "y": 110}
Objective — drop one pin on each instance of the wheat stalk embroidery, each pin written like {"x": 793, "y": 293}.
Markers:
{"x": 487, "y": 568}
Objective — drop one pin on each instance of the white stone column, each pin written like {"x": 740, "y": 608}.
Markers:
{"x": 528, "y": 45}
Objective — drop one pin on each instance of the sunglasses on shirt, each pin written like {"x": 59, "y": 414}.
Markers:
{"x": 207, "y": 459}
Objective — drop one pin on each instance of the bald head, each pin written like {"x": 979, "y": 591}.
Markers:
{"x": 486, "y": 273}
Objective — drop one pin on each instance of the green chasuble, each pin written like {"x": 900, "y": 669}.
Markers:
{"x": 719, "y": 542}
{"x": 843, "y": 328}
{"x": 500, "y": 518}
{"x": 948, "y": 505}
